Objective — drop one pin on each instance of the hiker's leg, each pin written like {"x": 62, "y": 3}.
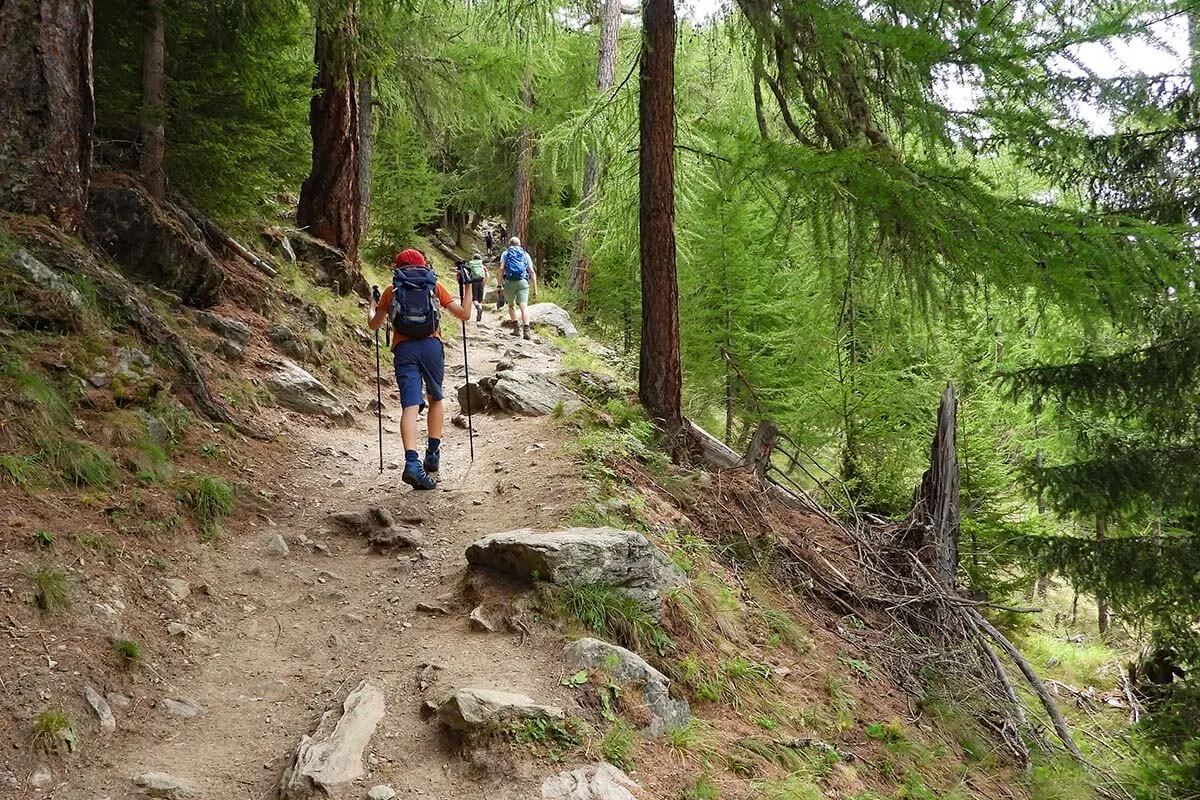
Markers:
{"x": 436, "y": 421}
{"x": 433, "y": 372}
{"x": 525, "y": 314}
{"x": 408, "y": 381}
{"x": 408, "y": 428}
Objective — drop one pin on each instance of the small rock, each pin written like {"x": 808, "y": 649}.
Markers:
{"x": 108, "y": 722}
{"x": 331, "y": 759}
{"x": 433, "y": 608}
{"x": 394, "y": 465}
{"x": 176, "y": 629}
{"x": 41, "y": 777}
{"x": 381, "y": 793}
{"x": 472, "y": 709}
{"x": 278, "y": 545}
{"x": 177, "y": 587}
{"x": 160, "y": 784}
{"x": 338, "y": 484}
{"x": 479, "y": 622}
{"x": 181, "y": 707}
{"x": 99, "y": 380}
{"x": 118, "y": 700}
{"x": 272, "y": 691}
{"x": 600, "y": 781}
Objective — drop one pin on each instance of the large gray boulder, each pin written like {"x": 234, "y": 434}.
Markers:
{"x": 330, "y": 760}
{"x": 521, "y": 392}
{"x": 40, "y": 298}
{"x": 600, "y": 781}
{"x": 298, "y": 390}
{"x": 474, "y": 710}
{"x": 554, "y": 316}
{"x": 154, "y": 243}
{"x": 627, "y": 668}
{"x": 625, "y": 560}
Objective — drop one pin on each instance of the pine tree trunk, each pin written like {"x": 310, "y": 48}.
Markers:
{"x": 1101, "y": 600}
{"x": 518, "y": 222}
{"x": 606, "y": 71}
{"x": 154, "y": 101}
{"x": 660, "y": 379}
{"x": 47, "y": 109}
{"x": 366, "y": 147}
{"x": 330, "y": 199}
{"x": 937, "y": 497}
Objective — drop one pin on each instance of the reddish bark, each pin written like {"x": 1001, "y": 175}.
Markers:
{"x": 518, "y": 223}
{"x": 47, "y": 111}
{"x": 330, "y": 199}
{"x": 660, "y": 379}
{"x": 154, "y": 101}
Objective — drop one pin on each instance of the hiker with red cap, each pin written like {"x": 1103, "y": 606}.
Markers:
{"x": 413, "y": 304}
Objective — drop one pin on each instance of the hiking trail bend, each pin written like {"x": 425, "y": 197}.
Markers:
{"x": 275, "y": 639}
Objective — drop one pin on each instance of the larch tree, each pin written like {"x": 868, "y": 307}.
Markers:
{"x": 330, "y": 197}
{"x": 47, "y": 110}
{"x": 606, "y": 68}
{"x": 660, "y": 377}
{"x": 518, "y": 221}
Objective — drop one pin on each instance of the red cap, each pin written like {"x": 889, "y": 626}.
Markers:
{"x": 410, "y": 258}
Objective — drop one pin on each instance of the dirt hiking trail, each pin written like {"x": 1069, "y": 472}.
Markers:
{"x": 274, "y": 639}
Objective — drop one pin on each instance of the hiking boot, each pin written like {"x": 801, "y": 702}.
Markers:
{"x": 416, "y": 477}
{"x": 516, "y": 328}
{"x": 478, "y": 313}
{"x": 433, "y": 461}
{"x": 525, "y": 332}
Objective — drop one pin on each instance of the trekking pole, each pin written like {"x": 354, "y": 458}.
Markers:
{"x": 378, "y": 383}
{"x": 467, "y": 373}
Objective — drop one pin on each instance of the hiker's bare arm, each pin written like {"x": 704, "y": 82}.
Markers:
{"x": 462, "y": 311}
{"x": 378, "y": 317}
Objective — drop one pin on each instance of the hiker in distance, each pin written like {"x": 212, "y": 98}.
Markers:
{"x": 474, "y": 273}
{"x": 413, "y": 304}
{"x": 516, "y": 269}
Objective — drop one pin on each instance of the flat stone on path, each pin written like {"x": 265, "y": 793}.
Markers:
{"x": 600, "y": 781}
{"x": 381, "y": 792}
{"x": 160, "y": 784}
{"x": 471, "y": 709}
{"x": 530, "y": 394}
{"x": 625, "y": 560}
{"x": 181, "y": 707}
{"x": 332, "y": 757}
{"x": 627, "y": 668}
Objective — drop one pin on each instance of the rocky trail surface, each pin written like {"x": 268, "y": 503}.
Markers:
{"x": 279, "y": 623}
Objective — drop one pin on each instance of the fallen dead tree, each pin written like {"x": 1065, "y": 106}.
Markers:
{"x": 901, "y": 576}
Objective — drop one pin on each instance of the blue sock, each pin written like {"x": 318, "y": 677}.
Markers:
{"x": 435, "y": 445}
{"x": 412, "y": 455}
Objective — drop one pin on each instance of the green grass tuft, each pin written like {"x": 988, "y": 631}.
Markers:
{"x": 128, "y": 653}
{"x": 80, "y": 464}
{"x": 210, "y": 499}
{"x": 19, "y": 471}
{"x": 605, "y": 610}
{"x": 53, "y": 589}
{"x": 617, "y": 745}
{"x": 51, "y": 730}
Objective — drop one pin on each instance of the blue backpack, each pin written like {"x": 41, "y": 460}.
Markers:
{"x": 415, "y": 309}
{"x": 514, "y": 264}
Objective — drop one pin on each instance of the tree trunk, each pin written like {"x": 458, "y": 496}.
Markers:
{"x": 1101, "y": 600}
{"x": 154, "y": 101}
{"x": 660, "y": 379}
{"x": 518, "y": 221}
{"x": 606, "y": 70}
{"x": 330, "y": 200}
{"x": 937, "y": 497}
{"x": 366, "y": 147}
{"x": 47, "y": 109}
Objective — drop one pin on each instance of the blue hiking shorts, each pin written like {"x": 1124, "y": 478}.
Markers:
{"x": 417, "y": 362}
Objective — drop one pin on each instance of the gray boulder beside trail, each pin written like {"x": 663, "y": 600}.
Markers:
{"x": 554, "y": 316}
{"x": 627, "y": 668}
{"x": 471, "y": 710}
{"x": 234, "y": 334}
{"x": 521, "y": 392}
{"x": 298, "y": 390}
{"x": 153, "y": 243}
{"x": 625, "y": 560}
{"x": 331, "y": 759}
{"x": 600, "y": 781}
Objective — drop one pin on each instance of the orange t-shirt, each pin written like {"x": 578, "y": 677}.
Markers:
{"x": 385, "y": 301}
